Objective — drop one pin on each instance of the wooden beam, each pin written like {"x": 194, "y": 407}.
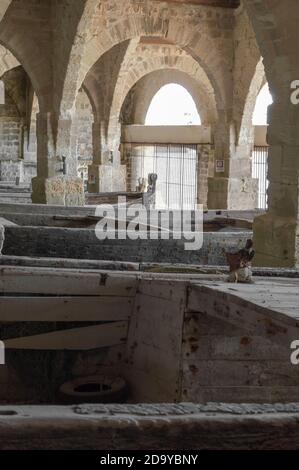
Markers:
{"x": 47, "y": 309}
{"x": 79, "y": 339}
{"x": 65, "y": 282}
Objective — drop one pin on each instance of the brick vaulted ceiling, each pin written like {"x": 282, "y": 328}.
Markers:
{"x": 215, "y": 3}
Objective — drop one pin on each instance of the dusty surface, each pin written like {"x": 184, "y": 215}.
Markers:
{"x": 155, "y": 427}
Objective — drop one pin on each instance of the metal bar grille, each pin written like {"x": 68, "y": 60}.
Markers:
{"x": 176, "y": 166}
{"x": 260, "y": 172}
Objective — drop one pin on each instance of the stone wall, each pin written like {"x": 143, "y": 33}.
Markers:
{"x": 10, "y": 170}
{"x": 83, "y": 134}
{"x": 18, "y": 144}
{"x": 10, "y": 132}
{"x": 205, "y": 170}
{"x": 83, "y": 244}
{"x": 84, "y": 119}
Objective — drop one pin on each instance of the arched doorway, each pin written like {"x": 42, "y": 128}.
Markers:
{"x": 260, "y": 153}
{"x": 175, "y": 163}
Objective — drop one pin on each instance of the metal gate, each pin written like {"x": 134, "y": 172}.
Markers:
{"x": 260, "y": 171}
{"x": 176, "y": 167}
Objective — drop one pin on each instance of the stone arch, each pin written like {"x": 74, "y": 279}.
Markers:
{"x": 179, "y": 25}
{"x": 18, "y": 50}
{"x": 14, "y": 80}
{"x": 245, "y": 129}
{"x": 248, "y": 75}
{"x": 18, "y": 158}
{"x": 283, "y": 52}
{"x": 158, "y": 79}
{"x": 31, "y": 42}
{"x": 4, "y": 7}
{"x": 102, "y": 79}
{"x": 196, "y": 29}
{"x": 183, "y": 70}
{"x": 131, "y": 64}
{"x": 68, "y": 81}
{"x": 7, "y": 60}
{"x": 19, "y": 88}
{"x": 142, "y": 94}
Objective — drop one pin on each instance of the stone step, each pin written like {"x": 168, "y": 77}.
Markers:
{"x": 83, "y": 244}
{"x": 207, "y": 427}
{"x": 156, "y": 268}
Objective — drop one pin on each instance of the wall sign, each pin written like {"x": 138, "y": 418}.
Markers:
{"x": 219, "y": 166}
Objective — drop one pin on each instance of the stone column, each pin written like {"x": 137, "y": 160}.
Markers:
{"x": 205, "y": 154}
{"x": 106, "y": 174}
{"x": 66, "y": 145}
{"x": 276, "y": 234}
{"x": 53, "y": 184}
{"x": 232, "y": 187}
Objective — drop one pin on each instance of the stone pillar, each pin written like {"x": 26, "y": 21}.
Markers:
{"x": 276, "y": 234}
{"x": 218, "y": 184}
{"x": 53, "y": 185}
{"x": 106, "y": 174}
{"x": 232, "y": 186}
{"x": 66, "y": 145}
{"x": 205, "y": 168}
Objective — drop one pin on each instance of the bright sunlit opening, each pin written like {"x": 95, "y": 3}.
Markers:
{"x": 172, "y": 106}
{"x": 264, "y": 100}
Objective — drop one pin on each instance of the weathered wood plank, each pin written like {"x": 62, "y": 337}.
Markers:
{"x": 90, "y": 337}
{"x": 281, "y": 295}
{"x": 154, "y": 341}
{"x": 222, "y": 373}
{"x": 257, "y": 319}
{"x": 65, "y": 282}
{"x": 65, "y": 308}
